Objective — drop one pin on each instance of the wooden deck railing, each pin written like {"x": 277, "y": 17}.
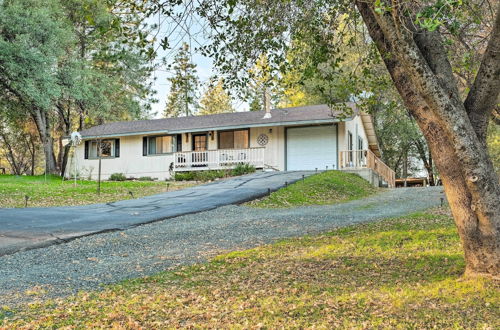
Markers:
{"x": 218, "y": 159}
{"x": 366, "y": 159}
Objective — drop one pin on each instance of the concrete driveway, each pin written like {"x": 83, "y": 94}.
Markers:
{"x": 29, "y": 228}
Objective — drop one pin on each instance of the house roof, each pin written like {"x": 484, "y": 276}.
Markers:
{"x": 313, "y": 114}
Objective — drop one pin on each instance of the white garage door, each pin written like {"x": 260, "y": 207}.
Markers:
{"x": 309, "y": 148}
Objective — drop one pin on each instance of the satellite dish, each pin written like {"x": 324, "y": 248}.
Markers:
{"x": 76, "y": 138}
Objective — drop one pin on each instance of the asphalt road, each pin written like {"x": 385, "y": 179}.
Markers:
{"x": 24, "y": 229}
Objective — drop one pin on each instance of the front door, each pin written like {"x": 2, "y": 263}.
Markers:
{"x": 200, "y": 146}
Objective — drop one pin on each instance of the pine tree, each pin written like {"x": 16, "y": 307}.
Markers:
{"x": 184, "y": 86}
{"x": 215, "y": 99}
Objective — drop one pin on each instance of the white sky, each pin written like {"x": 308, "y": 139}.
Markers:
{"x": 193, "y": 32}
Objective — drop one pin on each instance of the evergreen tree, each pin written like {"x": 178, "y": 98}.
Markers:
{"x": 184, "y": 86}
{"x": 216, "y": 99}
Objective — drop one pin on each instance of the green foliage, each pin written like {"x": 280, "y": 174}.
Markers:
{"x": 203, "y": 176}
{"x": 70, "y": 64}
{"x": 182, "y": 99}
{"x": 33, "y": 36}
{"x": 216, "y": 99}
{"x": 397, "y": 133}
{"x": 211, "y": 175}
{"x": 117, "y": 177}
{"x": 242, "y": 169}
{"x": 184, "y": 176}
{"x": 329, "y": 187}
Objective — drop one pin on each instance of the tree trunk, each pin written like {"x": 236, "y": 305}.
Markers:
{"x": 422, "y": 74}
{"x": 42, "y": 123}
{"x": 427, "y": 160}
{"x": 430, "y": 171}
{"x": 405, "y": 167}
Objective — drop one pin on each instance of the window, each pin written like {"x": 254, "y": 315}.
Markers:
{"x": 107, "y": 149}
{"x": 234, "y": 139}
{"x": 200, "y": 142}
{"x": 360, "y": 143}
{"x": 158, "y": 145}
{"x": 350, "y": 146}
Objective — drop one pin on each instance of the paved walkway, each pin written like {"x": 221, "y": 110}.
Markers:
{"x": 23, "y": 229}
{"x": 88, "y": 262}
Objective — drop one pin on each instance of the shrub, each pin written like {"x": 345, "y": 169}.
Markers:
{"x": 200, "y": 175}
{"x": 146, "y": 178}
{"x": 117, "y": 177}
{"x": 184, "y": 176}
{"x": 241, "y": 169}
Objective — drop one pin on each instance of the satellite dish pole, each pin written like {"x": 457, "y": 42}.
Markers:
{"x": 76, "y": 139}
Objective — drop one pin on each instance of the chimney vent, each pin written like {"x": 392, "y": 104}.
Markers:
{"x": 267, "y": 104}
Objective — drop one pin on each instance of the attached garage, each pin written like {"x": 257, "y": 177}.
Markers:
{"x": 308, "y": 148}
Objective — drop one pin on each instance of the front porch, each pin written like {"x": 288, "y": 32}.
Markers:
{"x": 356, "y": 160}
{"x": 218, "y": 159}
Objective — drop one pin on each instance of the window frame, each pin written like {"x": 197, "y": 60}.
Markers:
{"x": 174, "y": 144}
{"x": 233, "y": 130}
{"x": 96, "y": 143}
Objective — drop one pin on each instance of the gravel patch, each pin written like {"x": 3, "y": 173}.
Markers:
{"x": 89, "y": 262}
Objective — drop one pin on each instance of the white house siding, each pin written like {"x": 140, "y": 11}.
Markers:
{"x": 131, "y": 162}
{"x": 356, "y": 127}
{"x": 274, "y": 153}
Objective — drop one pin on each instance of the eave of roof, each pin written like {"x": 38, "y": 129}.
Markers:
{"x": 305, "y": 115}
{"x": 371, "y": 135}
{"x": 220, "y": 128}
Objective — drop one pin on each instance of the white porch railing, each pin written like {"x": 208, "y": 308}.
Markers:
{"x": 356, "y": 159}
{"x": 217, "y": 159}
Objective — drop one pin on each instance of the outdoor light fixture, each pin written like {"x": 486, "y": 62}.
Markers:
{"x": 270, "y": 131}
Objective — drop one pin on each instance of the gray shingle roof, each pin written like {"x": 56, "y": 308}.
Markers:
{"x": 306, "y": 114}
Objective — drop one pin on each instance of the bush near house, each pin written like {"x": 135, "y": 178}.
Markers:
{"x": 328, "y": 187}
{"x": 211, "y": 175}
{"x": 242, "y": 169}
{"x": 117, "y": 177}
{"x": 403, "y": 273}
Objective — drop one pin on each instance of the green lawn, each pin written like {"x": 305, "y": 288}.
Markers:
{"x": 400, "y": 273}
{"x": 324, "y": 188}
{"x": 55, "y": 192}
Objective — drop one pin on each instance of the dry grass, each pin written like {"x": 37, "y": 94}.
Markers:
{"x": 399, "y": 273}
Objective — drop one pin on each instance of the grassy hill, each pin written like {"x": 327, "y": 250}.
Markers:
{"x": 328, "y": 187}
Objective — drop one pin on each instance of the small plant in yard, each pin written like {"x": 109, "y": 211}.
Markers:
{"x": 242, "y": 169}
{"x": 203, "y": 176}
{"x": 117, "y": 177}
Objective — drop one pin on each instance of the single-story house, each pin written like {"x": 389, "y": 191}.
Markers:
{"x": 301, "y": 138}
